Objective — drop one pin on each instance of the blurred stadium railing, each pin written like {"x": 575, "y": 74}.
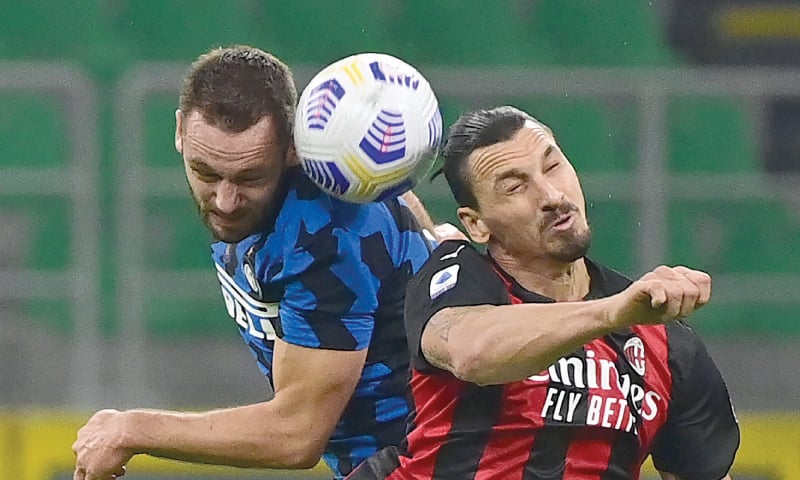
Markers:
{"x": 660, "y": 194}
{"x": 108, "y": 300}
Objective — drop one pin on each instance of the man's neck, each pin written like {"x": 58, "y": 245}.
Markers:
{"x": 563, "y": 282}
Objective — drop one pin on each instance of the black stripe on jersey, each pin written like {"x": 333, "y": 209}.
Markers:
{"x": 548, "y": 453}
{"x": 624, "y": 455}
{"x": 376, "y": 256}
{"x": 472, "y": 423}
{"x": 625, "y": 449}
{"x": 274, "y": 269}
{"x": 305, "y": 188}
{"x": 551, "y": 442}
{"x": 582, "y": 409}
{"x": 327, "y": 288}
{"x": 402, "y": 216}
{"x": 229, "y": 259}
{"x": 379, "y": 466}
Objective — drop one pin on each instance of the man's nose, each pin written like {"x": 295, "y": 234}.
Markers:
{"x": 227, "y": 198}
{"x": 551, "y": 196}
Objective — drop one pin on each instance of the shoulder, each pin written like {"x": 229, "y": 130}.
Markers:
{"x": 684, "y": 343}
{"x": 456, "y": 252}
{"x": 306, "y": 203}
{"x": 452, "y": 261}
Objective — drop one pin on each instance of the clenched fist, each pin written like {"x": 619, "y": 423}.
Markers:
{"x": 99, "y": 448}
{"x": 662, "y": 295}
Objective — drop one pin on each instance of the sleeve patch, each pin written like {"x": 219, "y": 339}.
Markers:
{"x": 444, "y": 280}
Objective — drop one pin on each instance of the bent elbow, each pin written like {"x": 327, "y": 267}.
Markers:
{"x": 473, "y": 365}
{"x": 302, "y": 462}
{"x": 306, "y": 454}
{"x": 293, "y": 454}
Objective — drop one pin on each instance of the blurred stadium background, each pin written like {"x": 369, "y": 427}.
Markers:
{"x": 682, "y": 116}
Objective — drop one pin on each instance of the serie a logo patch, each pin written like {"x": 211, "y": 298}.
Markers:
{"x": 444, "y": 280}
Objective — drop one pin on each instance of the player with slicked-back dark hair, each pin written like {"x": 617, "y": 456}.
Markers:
{"x": 533, "y": 361}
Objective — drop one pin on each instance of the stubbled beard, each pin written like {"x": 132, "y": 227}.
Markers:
{"x": 205, "y": 218}
{"x": 573, "y": 248}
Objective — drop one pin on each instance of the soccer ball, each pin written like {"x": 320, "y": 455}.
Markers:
{"x": 367, "y": 128}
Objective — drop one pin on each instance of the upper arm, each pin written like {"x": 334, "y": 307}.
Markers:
{"x": 438, "y": 346}
{"x": 701, "y": 435}
{"x": 438, "y": 298}
{"x": 418, "y": 210}
{"x": 313, "y": 386}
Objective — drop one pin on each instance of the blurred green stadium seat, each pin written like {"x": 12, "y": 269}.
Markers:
{"x": 465, "y": 32}
{"x": 36, "y": 235}
{"x": 32, "y": 131}
{"x": 159, "y": 131}
{"x": 586, "y": 129}
{"x": 451, "y": 108}
{"x": 609, "y": 32}
{"x": 319, "y": 32}
{"x": 735, "y": 236}
{"x": 47, "y": 29}
{"x": 614, "y": 230}
{"x": 183, "y": 29}
{"x": 48, "y": 230}
{"x": 178, "y": 240}
{"x": 186, "y": 318}
{"x": 767, "y": 321}
{"x": 711, "y": 135}
{"x": 73, "y": 32}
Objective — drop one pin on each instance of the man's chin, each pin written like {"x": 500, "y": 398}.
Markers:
{"x": 226, "y": 235}
{"x": 577, "y": 248}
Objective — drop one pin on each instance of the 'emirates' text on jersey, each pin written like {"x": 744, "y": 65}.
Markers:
{"x": 594, "y": 414}
{"x": 332, "y": 275}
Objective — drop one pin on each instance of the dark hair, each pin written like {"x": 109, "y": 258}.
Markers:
{"x": 474, "y": 130}
{"x": 235, "y": 87}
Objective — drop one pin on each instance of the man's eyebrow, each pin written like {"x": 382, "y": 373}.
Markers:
{"x": 548, "y": 151}
{"x": 250, "y": 172}
{"x": 511, "y": 173}
{"x": 196, "y": 162}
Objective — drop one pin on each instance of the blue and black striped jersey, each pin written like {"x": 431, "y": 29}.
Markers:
{"x": 332, "y": 275}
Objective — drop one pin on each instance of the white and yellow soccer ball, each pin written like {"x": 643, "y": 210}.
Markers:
{"x": 367, "y": 128}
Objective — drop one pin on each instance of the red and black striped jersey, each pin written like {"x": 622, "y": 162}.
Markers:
{"x": 596, "y": 413}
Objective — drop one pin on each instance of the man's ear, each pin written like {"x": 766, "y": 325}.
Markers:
{"x": 475, "y": 226}
{"x": 292, "y": 160}
{"x": 178, "y": 130}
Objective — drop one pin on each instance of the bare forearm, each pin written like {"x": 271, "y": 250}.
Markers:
{"x": 259, "y": 435}
{"x": 514, "y": 342}
{"x": 419, "y": 211}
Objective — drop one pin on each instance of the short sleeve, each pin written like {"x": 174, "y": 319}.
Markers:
{"x": 701, "y": 435}
{"x": 330, "y": 298}
{"x": 455, "y": 275}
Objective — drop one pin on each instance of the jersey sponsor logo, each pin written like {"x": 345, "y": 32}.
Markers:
{"x": 607, "y": 398}
{"x": 454, "y": 254}
{"x": 251, "y": 315}
{"x": 444, "y": 280}
{"x": 634, "y": 353}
